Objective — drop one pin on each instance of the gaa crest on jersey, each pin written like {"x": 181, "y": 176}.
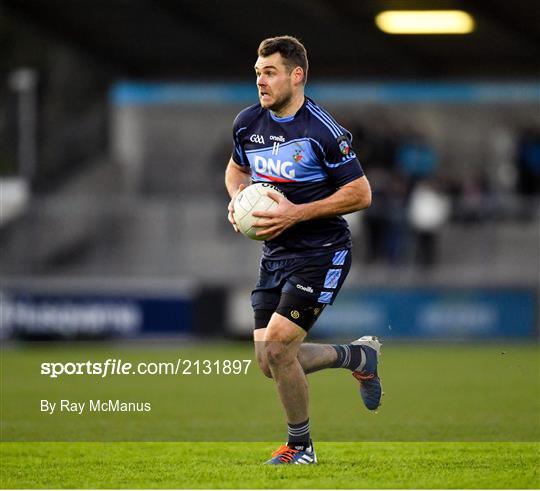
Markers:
{"x": 344, "y": 146}
{"x": 297, "y": 156}
{"x": 257, "y": 139}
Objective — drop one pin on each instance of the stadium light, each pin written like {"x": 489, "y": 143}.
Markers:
{"x": 425, "y": 22}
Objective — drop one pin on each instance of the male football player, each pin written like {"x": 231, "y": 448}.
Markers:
{"x": 288, "y": 140}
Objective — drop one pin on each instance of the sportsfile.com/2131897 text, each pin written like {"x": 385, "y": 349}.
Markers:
{"x": 113, "y": 366}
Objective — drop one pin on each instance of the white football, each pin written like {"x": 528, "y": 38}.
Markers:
{"x": 253, "y": 198}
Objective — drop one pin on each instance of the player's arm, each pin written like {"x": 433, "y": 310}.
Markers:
{"x": 236, "y": 179}
{"x": 351, "y": 197}
{"x": 354, "y": 196}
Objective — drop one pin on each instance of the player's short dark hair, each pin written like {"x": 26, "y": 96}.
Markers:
{"x": 291, "y": 49}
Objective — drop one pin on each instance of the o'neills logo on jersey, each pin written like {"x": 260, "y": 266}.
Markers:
{"x": 279, "y": 138}
{"x": 275, "y": 170}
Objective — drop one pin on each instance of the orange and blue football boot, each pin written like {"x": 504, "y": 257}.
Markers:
{"x": 289, "y": 455}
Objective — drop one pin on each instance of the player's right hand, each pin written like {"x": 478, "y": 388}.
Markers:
{"x": 231, "y": 207}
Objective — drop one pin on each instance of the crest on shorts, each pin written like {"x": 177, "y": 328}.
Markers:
{"x": 295, "y": 314}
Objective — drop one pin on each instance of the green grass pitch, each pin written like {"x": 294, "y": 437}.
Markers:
{"x": 454, "y": 416}
{"x": 222, "y": 465}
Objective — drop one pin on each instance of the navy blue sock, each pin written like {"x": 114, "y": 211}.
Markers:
{"x": 349, "y": 356}
{"x": 299, "y": 437}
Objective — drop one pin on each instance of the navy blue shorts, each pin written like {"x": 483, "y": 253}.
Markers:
{"x": 318, "y": 278}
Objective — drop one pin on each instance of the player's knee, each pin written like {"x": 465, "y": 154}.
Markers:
{"x": 278, "y": 353}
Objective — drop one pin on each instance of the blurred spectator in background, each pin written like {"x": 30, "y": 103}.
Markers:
{"x": 429, "y": 211}
{"x": 376, "y": 219}
{"x": 415, "y": 158}
{"x": 385, "y": 222}
{"x": 415, "y": 164}
{"x": 528, "y": 161}
{"x": 475, "y": 199}
{"x": 397, "y": 231}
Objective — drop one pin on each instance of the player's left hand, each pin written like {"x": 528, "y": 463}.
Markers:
{"x": 272, "y": 223}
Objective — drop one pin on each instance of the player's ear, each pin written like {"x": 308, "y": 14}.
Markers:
{"x": 298, "y": 75}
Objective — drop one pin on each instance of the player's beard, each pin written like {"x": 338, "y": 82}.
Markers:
{"x": 281, "y": 102}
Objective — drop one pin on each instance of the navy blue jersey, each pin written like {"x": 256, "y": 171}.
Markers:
{"x": 308, "y": 156}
